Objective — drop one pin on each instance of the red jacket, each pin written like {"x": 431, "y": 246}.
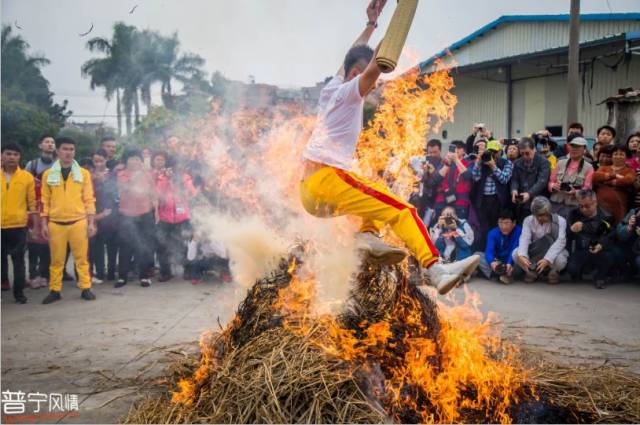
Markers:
{"x": 173, "y": 199}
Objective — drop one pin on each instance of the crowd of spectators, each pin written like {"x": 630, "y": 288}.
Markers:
{"x": 535, "y": 208}
{"x": 117, "y": 215}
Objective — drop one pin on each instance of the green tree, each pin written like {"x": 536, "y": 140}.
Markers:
{"x": 28, "y": 109}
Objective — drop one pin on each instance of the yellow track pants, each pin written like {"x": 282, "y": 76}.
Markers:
{"x": 76, "y": 236}
{"x": 332, "y": 192}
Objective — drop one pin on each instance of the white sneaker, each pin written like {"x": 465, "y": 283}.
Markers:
{"x": 96, "y": 281}
{"x": 380, "y": 252}
{"x": 445, "y": 277}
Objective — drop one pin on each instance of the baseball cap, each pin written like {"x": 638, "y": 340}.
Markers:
{"x": 494, "y": 145}
{"x": 578, "y": 141}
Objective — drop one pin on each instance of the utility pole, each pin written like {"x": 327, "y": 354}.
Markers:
{"x": 573, "y": 74}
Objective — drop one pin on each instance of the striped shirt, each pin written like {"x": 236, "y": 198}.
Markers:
{"x": 503, "y": 176}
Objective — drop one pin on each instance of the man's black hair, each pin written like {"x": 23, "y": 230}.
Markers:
{"x": 434, "y": 142}
{"x": 45, "y": 135}
{"x": 459, "y": 144}
{"x": 101, "y": 152}
{"x": 10, "y": 146}
{"x": 607, "y": 127}
{"x": 64, "y": 141}
{"x": 107, "y": 139}
{"x": 507, "y": 214}
{"x": 355, "y": 55}
{"x": 577, "y": 125}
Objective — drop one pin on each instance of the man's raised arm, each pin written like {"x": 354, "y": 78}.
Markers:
{"x": 373, "y": 13}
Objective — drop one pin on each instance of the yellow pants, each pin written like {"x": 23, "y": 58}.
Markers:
{"x": 76, "y": 236}
{"x": 332, "y": 192}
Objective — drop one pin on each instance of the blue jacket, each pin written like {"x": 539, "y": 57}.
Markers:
{"x": 500, "y": 247}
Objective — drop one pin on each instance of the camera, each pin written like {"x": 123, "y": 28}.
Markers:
{"x": 565, "y": 187}
{"x": 449, "y": 221}
{"x": 486, "y": 156}
{"x": 593, "y": 243}
{"x": 501, "y": 269}
{"x": 520, "y": 198}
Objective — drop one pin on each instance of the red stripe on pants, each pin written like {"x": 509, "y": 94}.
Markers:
{"x": 388, "y": 200}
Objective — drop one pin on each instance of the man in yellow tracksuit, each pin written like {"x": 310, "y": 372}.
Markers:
{"x": 18, "y": 201}
{"x": 329, "y": 188}
{"x": 68, "y": 209}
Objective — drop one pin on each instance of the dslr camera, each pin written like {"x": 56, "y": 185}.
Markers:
{"x": 487, "y": 156}
{"x": 450, "y": 222}
{"x": 501, "y": 269}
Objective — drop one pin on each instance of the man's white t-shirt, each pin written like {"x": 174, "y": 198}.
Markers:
{"x": 335, "y": 136}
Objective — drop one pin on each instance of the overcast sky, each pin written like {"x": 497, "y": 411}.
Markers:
{"x": 284, "y": 42}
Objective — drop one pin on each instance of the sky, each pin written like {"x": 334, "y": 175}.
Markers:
{"x": 289, "y": 43}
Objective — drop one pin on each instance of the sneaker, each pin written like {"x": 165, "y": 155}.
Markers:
{"x": 553, "y": 278}
{"x": 96, "y": 281}
{"x": 445, "y": 277}
{"x": 52, "y": 297}
{"x": 165, "y": 278}
{"x": 120, "y": 283}
{"x": 20, "y": 299}
{"x": 507, "y": 280}
{"x": 87, "y": 295}
{"x": 380, "y": 252}
{"x": 145, "y": 283}
{"x": 6, "y": 286}
{"x": 33, "y": 283}
{"x": 43, "y": 282}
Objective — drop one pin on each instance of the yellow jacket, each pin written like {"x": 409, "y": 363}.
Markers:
{"x": 69, "y": 201}
{"x": 18, "y": 199}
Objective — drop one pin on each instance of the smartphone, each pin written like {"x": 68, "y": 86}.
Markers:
{"x": 452, "y": 148}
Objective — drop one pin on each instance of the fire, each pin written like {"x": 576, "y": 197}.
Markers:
{"x": 439, "y": 370}
{"x": 413, "y": 105}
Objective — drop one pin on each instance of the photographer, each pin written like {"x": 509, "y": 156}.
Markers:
{"x": 547, "y": 147}
{"x": 541, "y": 248}
{"x": 454, "y": 182}
{"x": 478, "y": 132}
{"x": 425, "y": 169}
{"x": 501, "y": 243}
{"x": 628, "y": 233}
{"x": 453, "y": 236}
{"x": 570, "y": 176}
{"x": 590, "y": 233}
{"x": 529, "y": 178}
{"x": 490, "y": 193}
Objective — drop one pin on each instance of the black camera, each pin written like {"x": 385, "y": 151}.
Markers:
{"x": 449, "y": 221}
{"x": 520, "y": 198}
{"x": 565, "y": 187}
{"x": 593, "y": 243}
{"x": 486, "y": 156}
{"x": 501, "y": 269}
{"x": 541, "y": 139}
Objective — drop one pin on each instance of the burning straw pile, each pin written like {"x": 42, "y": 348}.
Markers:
{"x": 390, "y": 357}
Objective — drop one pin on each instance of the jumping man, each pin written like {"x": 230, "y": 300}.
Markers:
{"x": 329, "y": 188}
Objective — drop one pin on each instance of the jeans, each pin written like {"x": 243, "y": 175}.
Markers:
{"x": 14, "y": 244}
{"x": 136, "y": 236}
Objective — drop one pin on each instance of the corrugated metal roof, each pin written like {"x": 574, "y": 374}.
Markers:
{"x": 533, "y": 19}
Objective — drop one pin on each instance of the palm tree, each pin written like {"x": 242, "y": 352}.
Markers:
{"x": 117, "y": 72}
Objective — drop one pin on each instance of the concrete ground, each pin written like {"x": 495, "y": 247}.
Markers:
{"x": 104, "y": 350}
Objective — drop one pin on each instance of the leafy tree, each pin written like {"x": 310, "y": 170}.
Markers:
{"x": 28, "y": 109}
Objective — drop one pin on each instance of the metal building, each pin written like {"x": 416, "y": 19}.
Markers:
{"x": 511, "y": 74}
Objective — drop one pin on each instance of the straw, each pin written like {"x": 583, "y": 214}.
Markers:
{"x": 396, "y": 35}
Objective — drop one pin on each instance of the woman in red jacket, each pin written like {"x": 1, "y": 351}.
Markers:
{"x": 174, "y": 188}
{"x": 614, "y": 184}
